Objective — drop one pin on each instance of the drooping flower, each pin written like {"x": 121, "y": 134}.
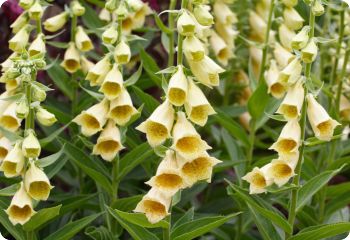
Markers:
{"x": 37, "y": 184}
{"x": 258, "y": 180}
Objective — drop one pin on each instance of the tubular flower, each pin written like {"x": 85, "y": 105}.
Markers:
{"x": 292, "y": 103}
{"x": 19, "y": 41}
{"x": 31, "y": 146}
{"x": 289, "y": 140}
{"x": 322, "y": 124}
{"x": 282, "y": 56}
{"x": 291, "y": 73}
{"x": 275, "y": 88}
{"x": 5, "y": 148}
{"x": 197, "y": 106}
{"x": 158, "y": 126}
{"x": 13, "y": 163}
{"x": 57, "y": 22}
{"x": 187, "y": 142}
{"x": 286, "y": 35}
{"x": 344, "y": 108}
{"x": 168, "y": 178}
{"x": 258, "y": 179}
{"x": 300, "y": 40}
{"x": 92, "y": 120}
{"x": 37, "y": 46}
{"x": 21, "y": 207}
{"x": 121, "y": 109}
{"x": 37, "y": 184}
{"x": 193, "y": 49}
{"x": 222, "y": 50}
{"x": 178, "y": 87}
{"x": 97, "y": 73}
{"x": 154, "y": 205}
{"x": 292, "y": 19}
{"x": 281, "y": 170}
{"x": 71, "y": 62}
{"x": 108, "y": 143}
{"x": 20, "y": 22}
{"x": 122, "y": 53}
{"x": 112, "y": 84}
{"x": 309, "y": 52}
{"x": 9, "y": 119}
{"x": 82, "y": 40}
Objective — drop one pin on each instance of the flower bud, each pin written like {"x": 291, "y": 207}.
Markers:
{"x": 112, "y": 84}
{"x": 281, "y": 170}
{"x": 36, "y": 11}
{"x": 40, "y": 64}
{"x": 82, "y": 40}
{"x": 92, "y": 120}
{"x": 8, "y": 63}
{"x": 20, "y": 22}
{"x": 22, "y": 108}
{"x": 197, "y": 106}
{"x": 275, "y": 88}
{"x": 135, "y": 5}
{"x": 26, "y": 4}
{"x": 223, "y": 13}
{"x": 13, "y": 163}
{"x": 31, "y": 147}
{"x": 257, "y": 24}
{"x": 186, "y": 26}
{"x": 292, "y": 103}
{"x": 203, "y": 15}
{"x": 121, "y": 11}
{"x": 37, "y": 46}
{"x": 200, "y": 168}
{"x": 111, "y": 5}
{"x": 38, "y": 94}
{"x": 110, "y": 36}
{"x": 19, "y": 41}
{"x": 36, "y": 183}
{"x": 300, "y": 40}
{"x": 322, "y": 124}
{"x": 9, "y": 120}
{"x": 77, "y": 9}
{"x": 258, "y": 180}
{"x": 44, "y": 117}
{"x": 154, "y": 205}
{"x": 122, "y": 53}
{"x": 344, "y": 108}
{"x": 104, "y": 15}
{"x": 186, "y": 141}
{"x": 289, "y": 140}
{"x": 98, "y": 72}
{"x": 193, "y": 49}
{"x": 178, "y": 86}
{"x": 71, "y": 61}
{"x": 55, "y": 23}
{"x": 5, "y": 148}
{"x": 290, "y": 3}
{"x": 292, "y": 19}
{"x": 21, "y": 207}
{"x": 108, "y": 143}
{"x": 317, "y": 8}
{"x": 121, "y": 108}
{"x": 309, "y": 53}
{"x": 158, "y": 126}
{"x": 206, "y": 71}
{"x": 168, "y": 178}
{"x": 286, "y": 35}
{"x": 290, "y": 74}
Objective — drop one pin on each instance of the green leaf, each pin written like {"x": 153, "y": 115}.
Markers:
{"x": 258, "y": 101}
{"x": 312, "y": 186}
{"x": 139, "y": 219}
{"x": 9, "y": 191}
{"x": 88, "y": 165}
{"x": 47, "y": 161}
{"x": 90, "y": 18}
{"x": 127, "y": 204}
{"x": 55, "y": 44}
{"x": 274, "y": 217}
{"x": 150, "y": 67}
{"x": 322, "y": 231}
{"x": 187, "y": 217}
{"x": 99, "y": 233}
{"x": 61, "y": 79}
{"x": 232, "y": 127}
{"x": 42, "y": 217}
{"x": 15, "y": 231}
{"x": 199, "y": 227}
{"x": 69, "y": 204}
{"x": 150, "y": 102}
{"x": 71, "y": 229}
{"x": 97, "y": 96}
{"x": 134, "y": 158}
{"x": 136, "y": 232}
{"x": 338, "y": 203}
{"x": 10, "y": 135}
{"x": 134, "y": 77}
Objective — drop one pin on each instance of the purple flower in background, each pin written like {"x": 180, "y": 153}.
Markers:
{"x": 11, "y": 9}
{"x": 153, "y": 4}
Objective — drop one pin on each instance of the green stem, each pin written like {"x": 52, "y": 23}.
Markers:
{"x": 266, "y": 45}
{"x": 180, "y": 38}
{"x": 73, "y": 28}
{"x": 171, "y": 35}
{"x": 340, "y": 40}
{"x": 341, "y": 80}
{"x": 296, "y": 179}
{"x": 251, "y": 143}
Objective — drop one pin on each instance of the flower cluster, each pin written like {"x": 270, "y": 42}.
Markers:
{"x": 186, "y": 161}
{"x": 223, "y": 37}
{"x": 288, "y": 74}
{"x": 116, "y": 108}
{"x": 21, "y": 102}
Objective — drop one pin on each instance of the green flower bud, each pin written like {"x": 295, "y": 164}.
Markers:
{"x": 203, "y": 15}
{"x": 22, "y": 108}
{"x": 31, "y": 147}
{"x": 122, "y": 11}
{"x": 12, "y": 73}
{"x": 309, "y": 53}
{"x": 318, "y": 8}
{"x": 44, "y": 117}
{"x": 301, "y": 39}
{"x": 111, "y": 5}
{"x": 26, "y": 4}
{"x": 36, "y": 11}
{"x": 77, "y": 8}
{"x": 38, "y": 94}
